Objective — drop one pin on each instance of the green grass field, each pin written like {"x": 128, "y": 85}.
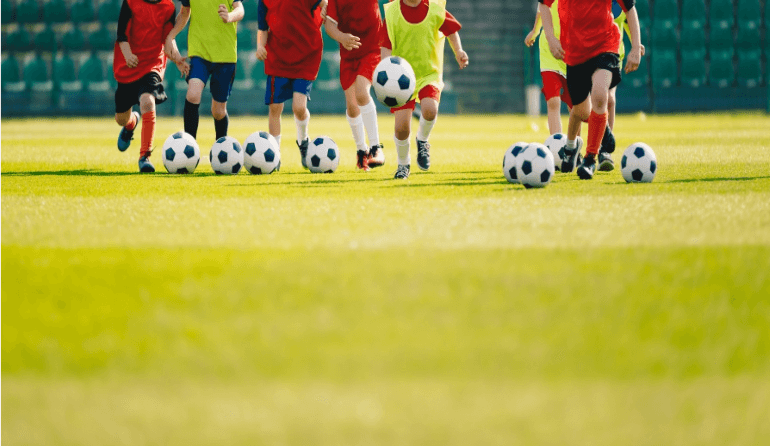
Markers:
{"x": 449, "y": 309}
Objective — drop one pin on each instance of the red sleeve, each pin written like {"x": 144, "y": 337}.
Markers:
{"x": 451, "y": 25}
{"x": 384, "y": 37}
{"x": 547, "y": 2}
{"x": 331, "y": 11}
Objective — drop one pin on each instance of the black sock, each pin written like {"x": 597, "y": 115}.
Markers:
{"x": 220, "y": 126}
{"x": 191, "y": 118}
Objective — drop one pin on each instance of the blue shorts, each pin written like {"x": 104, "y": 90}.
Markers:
{"x": 222, "y": 76}
{"x": 281, "y": 89}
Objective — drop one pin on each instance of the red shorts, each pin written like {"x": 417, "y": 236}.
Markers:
{"x": 428, "y": 91}
{"x": 364, "y": 66}
{"x": 555, "y": 85}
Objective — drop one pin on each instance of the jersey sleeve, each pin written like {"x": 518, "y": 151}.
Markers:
{"x": 546, "y": 2}
{"x": 262, "y": 16}
{"x": 450, "y": 25}
{"x": 123, "y": 18}
{"x": 332, "y": 13}
{"x": 384, "y": 37}
{"x": 626, "y": 4}
{"x": 186, "y": 3}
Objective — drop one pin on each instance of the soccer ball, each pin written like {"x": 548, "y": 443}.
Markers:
{"x": 181, "y": 153}
{"x": 509, "y": 161}
{"x": 534, "y": 166}
{"x": 323, "y": 155}
{"x": 394, "y": 81}
{"x": 226, "y": 156}
{"x": 261, "y": 155}
{"x": 556, "y": 144}
{"x": 638, "y": 164}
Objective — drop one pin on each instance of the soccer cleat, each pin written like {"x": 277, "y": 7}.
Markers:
{"x": 569, "y": 161}
{"x": 303, "y": 151}
{"x": 145, "y": 166}
{"x": 402, "y": 172}
{"x": 605, "y": 162}
{"x": 608, "y": 141}
{"x": 126, "y": 135}
{"x": 376, "y": 156}
{"x": 587, "y": 168}
{"x": 423, "y": 155}
{"x": 363, "y": 160}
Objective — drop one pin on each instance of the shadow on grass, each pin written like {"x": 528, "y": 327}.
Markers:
{"x": 699, "y": 180}
{"x": 77, "y": 173}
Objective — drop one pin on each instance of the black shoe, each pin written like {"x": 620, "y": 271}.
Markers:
{"x": 605, "y": 162}
{"x": 570, "y": 159}
{"x": 587, "y": 168}
{"x": 376, "y": 156}
{"x": 145, "y": 166}
{"x": 402, "y": 172}
{"x": 303, "y": 151}
{"x": 608, "y": 142}
{"x": 423, "y": 155}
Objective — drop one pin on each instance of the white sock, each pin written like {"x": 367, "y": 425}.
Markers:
{"x": 425, "y": 128}
{"x": 369, "y": 116}
{"x": 302, "y": 127}
{"x": 572, "y": 144}
{"x": 402, "y": 147}
{"x": 357, "y": 126}
{"x": 278, "y": 138}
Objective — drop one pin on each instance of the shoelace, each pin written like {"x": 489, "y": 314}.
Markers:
{"x": 402, "y": 170}
{"x": 423, "y": 149}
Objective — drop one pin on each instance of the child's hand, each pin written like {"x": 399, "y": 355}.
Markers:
{"x": 131, "y": 60}
{"x": 555, "y": 46}
{"x": 634, "y": 58}
{"x": 262, "y": 53}
{"x": 324, "y": 4}
{"x": 462, "y": 59}
{"x": 183, "y": 66}
{"x": 350, "y": 42}
{"x": 530, "y": 39}
{"x": 224, "y": 14}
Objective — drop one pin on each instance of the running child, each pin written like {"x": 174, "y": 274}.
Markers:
{"x": 415, "y": 30}
{"x": 356, "y": 24}
{"x": 213, "y": 52}
{"x": 289, "y": 41}
{"x": 589, "y": 45}
{"x": 139, "y": 64}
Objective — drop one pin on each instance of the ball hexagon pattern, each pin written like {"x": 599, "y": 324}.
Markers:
{"x": 535, "y": 166}
{"x": 638, "y": 164}
{"x": 556, "y": 144}
{"x": 323, "y": 155}
{"x": 262, "y": 155}
{"x": 509, "y": 161}
{"x": 394, "y": 81}
{"x": 226, "y": 156}
{"x": 180, "y": 153}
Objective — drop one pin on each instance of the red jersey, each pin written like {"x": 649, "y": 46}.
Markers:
{"x": 294, "y": 44}
{"x": 360, "y": 18}
{"x": 144, "y": 26}
{"x": 416, "y": 14}
{"x": 588, "y": 28}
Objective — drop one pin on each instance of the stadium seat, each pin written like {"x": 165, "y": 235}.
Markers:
{"x": 749, "y": 11}
{"x": 92, "y": 73}
{"x": 329, "y": 43}
{"x": 55, "y": 11}
{"x": 36, "y": 74}
{"x": 45, "y": 40}
{"x": 10, "y": 70}
{"x": 665, "y": 10}
{"x": 63, "y": 70}
{"x": 694, "y": 10}
{"x": 721, "y": 36}
{"x": 19, "y": 40}
{"x": 749, "y": 36}
{"x": 30, "y": 13}
{"x": 721, "y": 69}
{"x": 108, "y": 11}
{"x": 181, "y": 39}
{"x": 101, "y": 39}
{"x": 82, "y": 11}
{"x": 693, "y": 36}
{"x": 664, "y": 35}
{"x": 246, "y": 41}
{"x": 329, "y": 72}
{"x": 721, "y": 11}
{"x": 643, "y": 10}
{"x": 664, "y": 72}
{"x": 250, "y": 11}
{"x": 639, "y": 78}
{"x": 259, "y": 77}
{"x": 7, "y": 12}
{"x": 73, "y": 40}
{"x": 749, "y": 68}
{"x": 694, "y": 68}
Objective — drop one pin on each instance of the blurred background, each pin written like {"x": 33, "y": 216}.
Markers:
{"x": 701, "y": 55}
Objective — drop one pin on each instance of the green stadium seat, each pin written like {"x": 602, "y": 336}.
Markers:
{"x": 664, "y": 35}
{"x": 10, "y": 70}
{"x": 246, "y": 40}
{"x": 55, "y": 11}
{"x": 102, "y": 39}
{"x": 19, "y": 40}
{"x": 242, "y": 81}
{"x": 639, "y": 78}
{"x": 36, "y": 74}
{"x": 694, "y": 68}
{"x": 108, "y": 11}
{"x": 29, "y": 13}
{"x": 64, "y": 70}
{"x": 181, "y": 39}
{"x": 82, "y": 11}
{"x": 73, "y": 40}
{"x": 329, "y": 43}
{"x": 250, "y": 11}
{"x": 721, "y": 36}
{"x": 329, "y": 72}
{"x": 694, "y": 10}
{"x": 693, "y": 36}
{"x": 45, "y": 40}
{"x": 721, "y": 69}
{"x": 258, "y": 76}
{"x": 749, "y": 68}
{"x": 643, "y": 10}
{"x": 749, "y": 36}
{"x": 92, "y": 74}
{"x": 721, "y": 11}
{"x": 749, "y": 11}
{"x": 664, "y": 71}
{"x": 7, "y": 12}
{"x": 665, "y": 10}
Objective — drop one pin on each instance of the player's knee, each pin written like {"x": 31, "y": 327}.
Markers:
{"x": 300, "y": 111}
{"x": 193, "y": 97}
{"x": 363, "y": 98}
{"x": 122, "y": 118}
{"x": 218, "y": 110}
{"x": 554, "y": 104}
{"x": 147, "y": 103}
{"x": 353, "y": 110}
{"x": 429, "y": 110}
{"x": 581, "y": 111}
{"x": 402, "y": 131}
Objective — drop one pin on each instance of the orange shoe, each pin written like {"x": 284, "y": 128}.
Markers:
{"x": 376, "y": 156}
{"x": 363, "y": 160}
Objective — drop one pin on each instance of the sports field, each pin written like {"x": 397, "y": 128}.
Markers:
{"x": 452, "y": 308}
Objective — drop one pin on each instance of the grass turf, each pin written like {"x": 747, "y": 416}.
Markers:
{"x": 453, "y": 308}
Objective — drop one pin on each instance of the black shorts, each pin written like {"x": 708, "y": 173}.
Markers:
{"x": 579, "y": 77}
{"x": 127, "y": 95}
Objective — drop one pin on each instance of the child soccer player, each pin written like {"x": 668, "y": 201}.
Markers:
{"x": 355, "y": 24}
{"x": 289, "y": 41}
{"x": 415, "y": 30}
{"x": 213, "y": 52}
{"x": 139, "y": 64}
{"x": 590, "y": 42}
{"x": 552, "y": 70}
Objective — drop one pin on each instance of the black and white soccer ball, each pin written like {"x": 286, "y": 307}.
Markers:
{"x": 556, "y": 144}
{"x": 323, "y": 156}
{"x": 261, "y": 154}
{"x": 181, "y": 153}
{"x": 394, "y": 81}
{"x": 534, "y": 166}
{"x": 509, "y": 161}
{"x": 638, "y": 164}
{"x": 226, "y": 156}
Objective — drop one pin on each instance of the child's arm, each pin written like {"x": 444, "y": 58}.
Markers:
{"x": 236, "y": 15}
{"x": 261, "y": 43}
{"x": 125, "y": 15}
{"x": 553, "y": 43}
{"x": 460, "y": 55}
{"x": 181, "y": 21}
{"x": 348, "y": 41}
{"x": 262, "y": 31}
{"x": 637, "y": 49}
{"x": 530, "y": 39}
